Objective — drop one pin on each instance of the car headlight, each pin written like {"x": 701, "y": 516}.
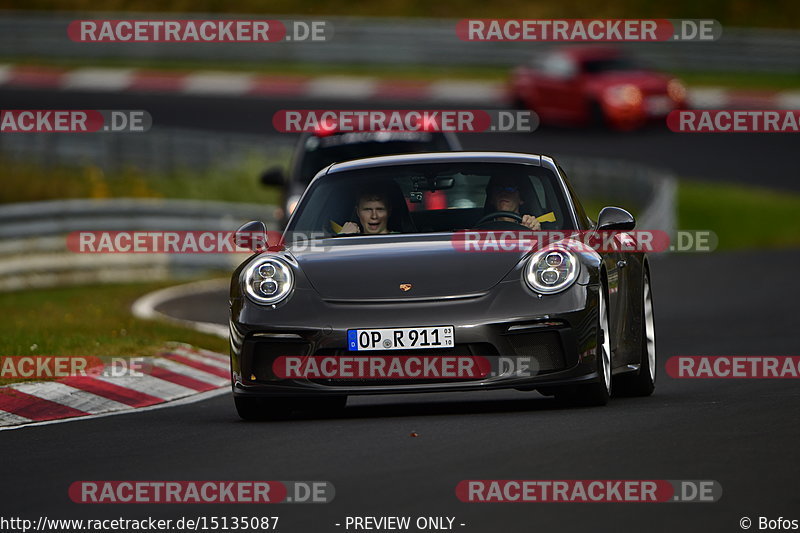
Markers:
{"x": 268, "y": 280}
{"x": 627, "y": 95}
{"x": 552, "y": 270}
{"x": 676, "y": 90}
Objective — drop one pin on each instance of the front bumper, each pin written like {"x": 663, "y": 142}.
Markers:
{"x": 559, "y": 347}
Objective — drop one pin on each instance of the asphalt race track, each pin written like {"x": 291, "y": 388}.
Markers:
{"x": 755, "y": 159}
{"x": 742, "y": 433}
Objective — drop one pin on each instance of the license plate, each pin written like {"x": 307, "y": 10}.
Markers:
{"x": 400, "y": 338}
{"x": 658, "y": 105}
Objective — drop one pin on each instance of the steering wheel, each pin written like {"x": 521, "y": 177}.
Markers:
{"x": 498, "y": 214}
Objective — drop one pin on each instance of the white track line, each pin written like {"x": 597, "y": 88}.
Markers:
{"x": 222, "y": 83}
{"x": 467, "y": 91}
{"x": 190, "y": 372}
{"x": 69, "y": 396}
{"x": 226, "y": 365}
{"x": 208, "y": 353}
{"x": 7, "y": 419}
{"x": 788, "y": 100}
{"x": 145, "y": 307}
{"x": 5, "y": 73}
{"x": 708, "y": 97}
{"x": 184, "y": 401}
{"x": 98, "y": 79}
{"x": 160, "y": 388}
{"x": 341, "y": 87}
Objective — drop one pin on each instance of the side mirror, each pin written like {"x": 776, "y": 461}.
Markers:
{"x": 615, "y": 218}
{"x": 252, "y": 236}
{"x": 273, "y": 176}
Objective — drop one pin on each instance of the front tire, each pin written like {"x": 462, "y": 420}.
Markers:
{"x": 643, "y": 383}
{"x": 599, "y": 392}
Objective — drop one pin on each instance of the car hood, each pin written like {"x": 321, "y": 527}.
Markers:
{"x": 359, "y": 268}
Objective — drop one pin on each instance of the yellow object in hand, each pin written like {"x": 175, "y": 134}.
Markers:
{"x": 547, "y": 217}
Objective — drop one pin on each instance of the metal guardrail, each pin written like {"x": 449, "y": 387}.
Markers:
{"x": 649, "y": 192}
{"x": 400, "y": 41}
{"x": 163, "y": 151}
{"x": 34, "y": 253}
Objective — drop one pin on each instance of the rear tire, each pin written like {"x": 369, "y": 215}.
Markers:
{"x": 643, "y": 383}
{"x": 599, "y": 392}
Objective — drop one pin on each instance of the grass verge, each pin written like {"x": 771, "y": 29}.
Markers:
{"x": 742, "y": 217}
{"x": 29, "y": 182}
{"x": 88, "y": 321}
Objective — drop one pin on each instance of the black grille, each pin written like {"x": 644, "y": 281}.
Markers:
{"x": 545, "y": 348}
{"x": 264, "y": 353}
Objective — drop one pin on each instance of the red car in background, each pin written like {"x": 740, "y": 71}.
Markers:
{"x": 586, "y": 85}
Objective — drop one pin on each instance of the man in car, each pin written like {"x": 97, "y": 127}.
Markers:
{"x": 373, "y": 210}
{"x": 503, "y": 194}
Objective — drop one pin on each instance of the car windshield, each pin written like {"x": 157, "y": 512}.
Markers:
{"x": 321, "y": 151}
{"x": 594, "y": 66}
{"x": 433, "y": 197}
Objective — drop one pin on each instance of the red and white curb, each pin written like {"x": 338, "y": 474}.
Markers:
{"x": 242, "y": 84}
{"x": 180, "y": 374}
{"x": 204, "y": 83}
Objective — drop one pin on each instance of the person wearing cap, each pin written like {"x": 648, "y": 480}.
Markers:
{"x": 503, "y": 194}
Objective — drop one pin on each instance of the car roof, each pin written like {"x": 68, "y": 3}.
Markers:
{"x": 590, "y": 52}
{"x": 437, "y": 157}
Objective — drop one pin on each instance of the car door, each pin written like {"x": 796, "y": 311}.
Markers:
{"x": 558, "y": 89}
{"x": 617, "y": 265}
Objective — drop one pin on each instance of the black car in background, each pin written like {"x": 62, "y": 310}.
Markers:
{"x": 315, "y": 151}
